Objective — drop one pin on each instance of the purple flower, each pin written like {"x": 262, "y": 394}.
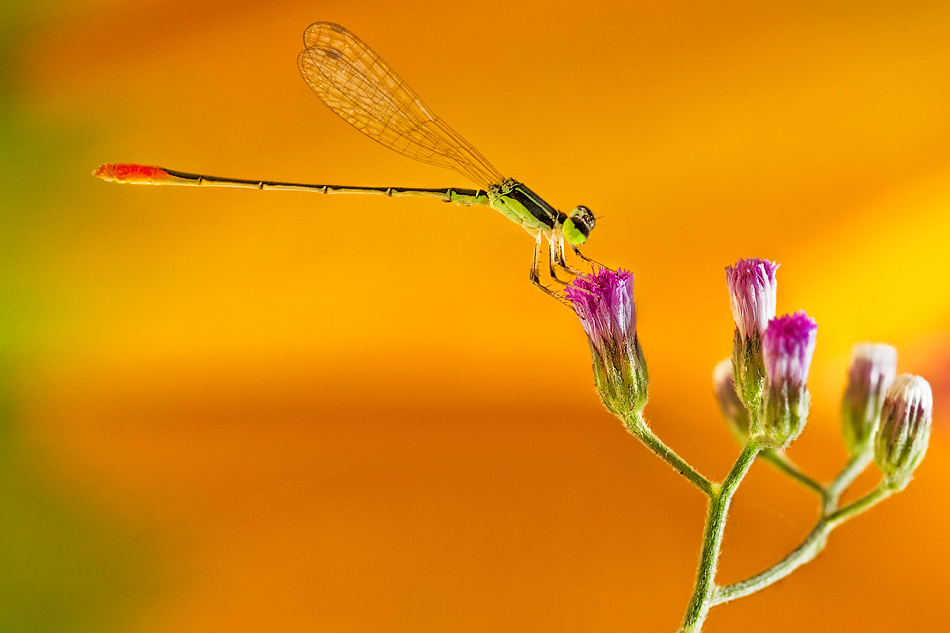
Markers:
{"x": 752, "y": 294}
{"x": 873, "y": 367}
{"x": 787, "y": 347}
{"x": 904, "y": 433}
{"x": 604, "y": 304}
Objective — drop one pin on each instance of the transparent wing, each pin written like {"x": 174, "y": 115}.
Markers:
{"x": 362, "y": 89}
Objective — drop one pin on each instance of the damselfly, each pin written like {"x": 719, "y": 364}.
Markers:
{"x": 360, "y": 87}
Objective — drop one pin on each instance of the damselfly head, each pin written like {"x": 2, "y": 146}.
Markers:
{"x": 578, "y": 225}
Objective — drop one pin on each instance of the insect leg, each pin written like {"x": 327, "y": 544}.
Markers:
{"x": 535, "y": 277}
{"x": 555, "y": 259}
{"x": 588, "y": 259}
{"x": 556, "y": 242}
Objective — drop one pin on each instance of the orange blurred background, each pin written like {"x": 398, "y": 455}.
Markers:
{"x": 228, "y": 410}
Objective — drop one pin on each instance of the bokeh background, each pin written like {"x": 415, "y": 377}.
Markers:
{"x": 233, "y": 410}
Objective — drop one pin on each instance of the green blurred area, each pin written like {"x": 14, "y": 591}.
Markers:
{"x": 65, "y": 564}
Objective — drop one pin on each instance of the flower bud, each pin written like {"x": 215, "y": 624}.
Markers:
{"x": 752, "y": 295}
{"x": 873, "y": 367}
{"x": 902, "y": 438}
{"x": 787, "y": 348}
{"x": 735, "y": 413}
{"x": 604, "y": 304}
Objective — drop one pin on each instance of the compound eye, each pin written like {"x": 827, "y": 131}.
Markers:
{"x": 579, "y": 225}
{"x": 583, "y": 215}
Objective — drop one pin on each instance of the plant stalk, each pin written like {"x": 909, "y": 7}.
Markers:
{"x": 781, "y": 461}
{"x": 637, "y": 426}
{"x": 855, "y": 466}
{"x": 704, "y": 590}
{"x": 806, "y": 550}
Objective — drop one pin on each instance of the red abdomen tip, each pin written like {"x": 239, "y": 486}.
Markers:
{"x": 130, "y": 172}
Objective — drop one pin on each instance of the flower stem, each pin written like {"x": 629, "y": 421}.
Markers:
{"x": 704, "y": 590}
{"x": 868, "y": 501}
{"x": 637, "y": 426}
{"x": 807, "y": 549}
{"x": 781, "y": 461}
{"x": 854, "y": 467}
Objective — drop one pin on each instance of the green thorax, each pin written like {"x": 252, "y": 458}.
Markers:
{"x": 523, "y": 206}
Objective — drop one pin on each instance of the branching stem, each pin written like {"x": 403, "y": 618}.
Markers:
{"x": 807, "y": 549}
{"x": 704, "y": 590}
{"x": 637, "y": 426}
{"x": 855, "y": 466}
{"x": 706, "y": 593}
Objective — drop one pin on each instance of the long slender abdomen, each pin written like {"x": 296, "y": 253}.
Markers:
{"x": 146, "y": 175}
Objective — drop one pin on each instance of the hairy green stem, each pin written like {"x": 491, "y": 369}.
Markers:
{"x": 706, "y": 593}
{"x": 781, "y": 461}
{"x": 855, "y": 466}
{"x": 704, "y": 590}
{"x": 637, "y": 426}
{"x": 806, "y": 550}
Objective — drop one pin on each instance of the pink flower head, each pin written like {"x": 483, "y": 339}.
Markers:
{"x": 604, "y": 303}
{"x": 752, "y": 293}
{"x": 873, "y": 368}
{"x": 787, "y": 347}
{"x": 909, "y": 403}
{"x": 905, "y": 428}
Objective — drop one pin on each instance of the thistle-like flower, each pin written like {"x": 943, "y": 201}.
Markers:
{"x": 904, "y": 433}
{"x": 604, "y": 303}
{"x": 735, "y": 413}
{"x": 787, "y": 348}
{"x": 752, "y": 295}
{"x": 873, "y": 367}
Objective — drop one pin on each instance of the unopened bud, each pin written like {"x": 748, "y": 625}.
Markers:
{"x": 904, "y": 432}
{"x": 604, "y": 304}
{"x": 733, "y": 410}
{"x": 787, "y": 347}
{"x": 873, "y": 367}
{"x": 752, "y": 295}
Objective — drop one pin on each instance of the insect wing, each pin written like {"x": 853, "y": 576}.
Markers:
{"x": 361, "y": 88}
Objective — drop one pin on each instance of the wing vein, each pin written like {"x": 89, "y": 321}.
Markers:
{"x": 357, "y": 85}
